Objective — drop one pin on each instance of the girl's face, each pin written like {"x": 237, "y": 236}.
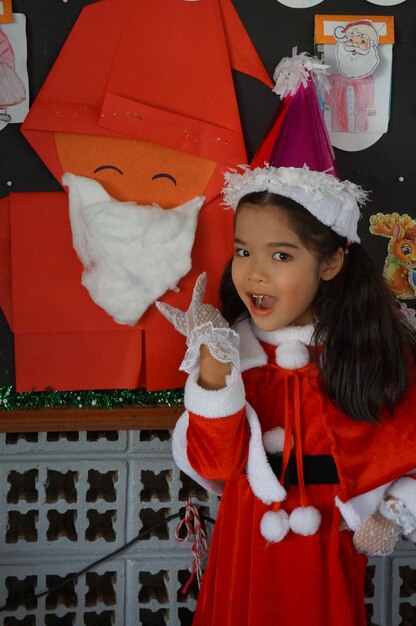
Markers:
{"x": 274, "y": 274}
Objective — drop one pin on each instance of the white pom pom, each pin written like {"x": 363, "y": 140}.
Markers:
{"x": 339, "y": 33}
{"x": 292, "y": 354}
{"x": 274, "y": 440}
{"x": 305, "y": 520}
{"x": 274, "y": 526}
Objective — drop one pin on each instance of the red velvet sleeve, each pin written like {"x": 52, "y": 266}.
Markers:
{"x": 217, "y": 448}
{"x": 369, "y": 455}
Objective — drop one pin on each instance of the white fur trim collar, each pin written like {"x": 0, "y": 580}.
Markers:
{"x": 251, "y": 351}
{"x": 276, "y": 337}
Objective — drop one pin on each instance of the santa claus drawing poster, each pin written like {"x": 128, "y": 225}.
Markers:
{"x": 358, "y": 50}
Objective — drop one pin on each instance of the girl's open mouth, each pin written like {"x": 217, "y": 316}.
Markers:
{"x": 262, "y": 303}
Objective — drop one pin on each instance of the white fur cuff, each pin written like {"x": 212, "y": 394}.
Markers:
{"x": 404, "y": 490}
{"x": 179, "y": 450}
{"x": 215, "y": 403}
{"x": 356, "y": 510}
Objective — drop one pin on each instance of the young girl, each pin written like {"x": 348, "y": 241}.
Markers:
{"x": 302, "y": 415}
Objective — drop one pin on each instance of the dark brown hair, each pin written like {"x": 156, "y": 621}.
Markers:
{"x": 364, "y": 366}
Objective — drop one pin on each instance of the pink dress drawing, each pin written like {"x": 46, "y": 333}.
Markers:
{"x": 350, "y": 100}
{"x": 12, "y": 90}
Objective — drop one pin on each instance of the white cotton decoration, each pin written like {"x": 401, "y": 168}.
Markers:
{"x": 274, "y": 440}
{"x": 274, "y": 525}
{"x": 292, "y": 354}
{"x": 132, "y": 254}
{"x": 305, "y": 520}
{"x": 294, "y": 71}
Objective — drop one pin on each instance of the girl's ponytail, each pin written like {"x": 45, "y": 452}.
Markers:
{"x": 365, "y": 362}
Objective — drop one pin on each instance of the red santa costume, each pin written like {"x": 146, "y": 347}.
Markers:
{"x": 291, "y": 467}
{"x": 223, "y": 436}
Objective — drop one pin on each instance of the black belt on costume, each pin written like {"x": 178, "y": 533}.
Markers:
{"x": 318, "y": 469}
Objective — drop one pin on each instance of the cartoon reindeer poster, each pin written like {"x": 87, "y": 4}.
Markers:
{"x": 400, "y": 264}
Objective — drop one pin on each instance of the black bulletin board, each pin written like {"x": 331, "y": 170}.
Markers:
{"x": 274, "y": 29}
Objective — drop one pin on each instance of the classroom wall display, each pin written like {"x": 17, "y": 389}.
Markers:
{"x": 29, "y": 188}
{"x": 14, "y": 84}
{"x": 359, "y": 51}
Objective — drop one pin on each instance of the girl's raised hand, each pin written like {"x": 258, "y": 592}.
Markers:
{"x": 202, "y": 324}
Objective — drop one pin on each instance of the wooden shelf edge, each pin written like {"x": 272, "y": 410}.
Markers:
{"x": 64, "y": 420}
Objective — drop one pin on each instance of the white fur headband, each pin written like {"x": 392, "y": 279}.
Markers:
{"x": 333, "y": 202}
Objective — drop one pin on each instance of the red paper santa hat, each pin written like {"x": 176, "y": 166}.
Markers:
{"x": 340, "y": 32}
{"x": 175, "y": 88}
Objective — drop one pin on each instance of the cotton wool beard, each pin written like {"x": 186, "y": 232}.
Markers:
{"x": 132, "y": 254}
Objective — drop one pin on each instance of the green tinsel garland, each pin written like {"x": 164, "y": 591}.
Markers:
{"x": 111, "y": 399}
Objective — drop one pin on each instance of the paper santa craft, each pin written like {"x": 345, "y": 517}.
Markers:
{"x": 146, "y": 107}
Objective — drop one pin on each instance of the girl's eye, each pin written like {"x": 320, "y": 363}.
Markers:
{"x": 281, "y": 256}
{"x": 241, "y": 252}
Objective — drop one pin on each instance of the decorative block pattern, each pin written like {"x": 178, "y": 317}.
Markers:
{"x": 404, "y": 589}
{"x": 68, "y": 499}
{"x": 73, "y": 602}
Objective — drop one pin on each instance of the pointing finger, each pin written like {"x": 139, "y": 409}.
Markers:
{"x": 199, "y": 289}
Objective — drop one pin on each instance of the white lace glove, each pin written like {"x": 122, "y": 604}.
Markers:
{"x": 202, "y": 324}
{"x": 379, "y": 533}
{"x": 377, "y": 536}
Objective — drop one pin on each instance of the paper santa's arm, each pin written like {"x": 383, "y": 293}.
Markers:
{"x": 211, "y": 438}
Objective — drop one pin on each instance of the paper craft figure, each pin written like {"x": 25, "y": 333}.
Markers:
{"x": 141, "y": 102}
{"x": 359, "y": 51}
{"x": 12, "y": 90}
{"x": 400, "y": 264}
{"x": 13, "y": 73}
{"x": 352, "y": 100}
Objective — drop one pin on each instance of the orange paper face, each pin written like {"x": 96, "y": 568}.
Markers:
{"x": 135, "y": 170}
